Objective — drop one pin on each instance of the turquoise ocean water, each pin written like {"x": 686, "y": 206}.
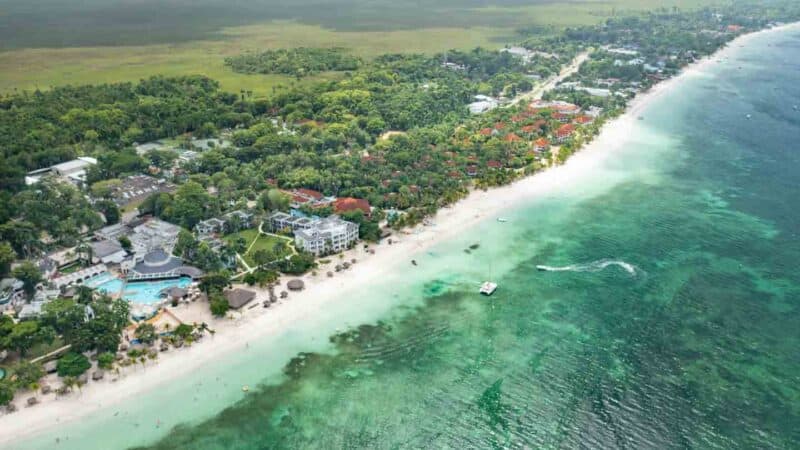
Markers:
{"x": 669, "y": 316}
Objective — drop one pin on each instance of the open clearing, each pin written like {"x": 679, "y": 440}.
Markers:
{"x": 43, "y": 67}
{"x": 257, "y": 241}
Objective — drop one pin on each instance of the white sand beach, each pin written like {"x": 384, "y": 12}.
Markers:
{"x": 322, "y": 292}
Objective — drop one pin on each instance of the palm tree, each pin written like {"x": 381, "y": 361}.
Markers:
{"x": 70, "y": 382}
{"x": 280, "y": 247}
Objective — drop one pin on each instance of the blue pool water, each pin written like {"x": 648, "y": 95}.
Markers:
{"x": 148, "y": 291}
{"x": 97, "y": 281}
{"x": 144, "y": 292}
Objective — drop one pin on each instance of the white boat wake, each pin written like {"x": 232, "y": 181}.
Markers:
{"x": 595, "y": 266}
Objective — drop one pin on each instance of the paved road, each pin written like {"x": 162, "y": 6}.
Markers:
{"x": 551, "y": 82}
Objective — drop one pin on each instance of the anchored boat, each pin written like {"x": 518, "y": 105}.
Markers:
{"x": 488, "y": 288}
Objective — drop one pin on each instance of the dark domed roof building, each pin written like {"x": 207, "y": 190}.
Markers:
{"x": 160, "y": 264}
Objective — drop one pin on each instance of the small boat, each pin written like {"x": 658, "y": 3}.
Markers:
{"x": 502, "y": 219}
{"x": 245, "y": 388}
{"x": 488, "y": 288}
{"x": 414, "y": 262}
{"x": 541, "y": 268}
{"x": 749, "y": 116}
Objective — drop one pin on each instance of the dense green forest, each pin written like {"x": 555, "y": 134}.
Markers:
{"x": 298, "y": 62}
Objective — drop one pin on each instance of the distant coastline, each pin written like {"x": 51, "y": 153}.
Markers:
{"x": 324, "y": 293}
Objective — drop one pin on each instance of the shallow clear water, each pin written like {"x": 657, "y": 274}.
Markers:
{"x": 668, "y": 319}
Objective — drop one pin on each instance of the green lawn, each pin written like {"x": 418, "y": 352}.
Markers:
{"x": 256, "y": 242}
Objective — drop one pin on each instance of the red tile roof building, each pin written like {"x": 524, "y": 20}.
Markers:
{"x": 564, "y": 132}
{"x": 540, "y": 145}
{"x": 347, "y": 204}
{"x": 305, "y": 196}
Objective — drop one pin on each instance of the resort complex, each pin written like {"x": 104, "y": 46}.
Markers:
{"x": 139, "y": 219}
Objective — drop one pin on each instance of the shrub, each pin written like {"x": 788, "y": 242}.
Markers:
{"x": 146, "y": 333}
{"x": 219, "y": 305}
{"x": 28, "y": 374}
{"x": 6, "y": 392}
{"x": 105, "y": 360}
{"x": 183, "y": 331}
{"x": 73, "y": 365}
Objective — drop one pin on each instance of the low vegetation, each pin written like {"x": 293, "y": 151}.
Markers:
{"x": 298, "y": 62}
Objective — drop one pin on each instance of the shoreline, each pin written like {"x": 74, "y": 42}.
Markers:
{"x": 322, "y": 292}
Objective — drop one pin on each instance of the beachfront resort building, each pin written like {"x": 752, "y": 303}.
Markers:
{"x": 108, "y": 252}
{"x": 317, "y": 236}
{"x": 231, "y": 222}
{"x": 158, "y": 264}
{"x": 328, "y": 235}
{"x": 564, "y": 133}
{"x": 308, "y": 197}
{"x": 350, "y": 204}
{"x": 281, "y": 221}
{"x": 540, "y": 145}
{"x": 154, "y": 234}
{"x": 145, "y": 235}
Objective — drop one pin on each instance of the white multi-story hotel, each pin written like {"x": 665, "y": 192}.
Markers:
{"x": 328, "y": 235}
{"x": 317, "y": 236}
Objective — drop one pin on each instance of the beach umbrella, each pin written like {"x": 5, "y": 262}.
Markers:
{"x": 295, "y": 285}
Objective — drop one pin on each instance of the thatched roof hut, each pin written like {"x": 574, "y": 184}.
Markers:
{"x": 176, "y": 293}
{"x": 295, "y": 285}
{"x": 238, "y": 297}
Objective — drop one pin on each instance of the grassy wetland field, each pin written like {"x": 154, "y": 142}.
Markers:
{"x": 124, "y": 40}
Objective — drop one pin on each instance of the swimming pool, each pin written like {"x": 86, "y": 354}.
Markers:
{"x": 144, "y": 292}
{"x": 148, "y": 291}
{"x": 105, "y": 282}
